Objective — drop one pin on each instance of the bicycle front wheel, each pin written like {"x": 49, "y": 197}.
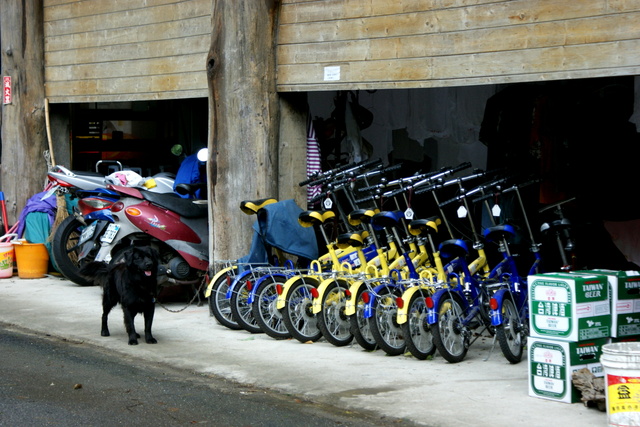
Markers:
{"x": 332, "y": 321}
{"x": 417, "y": 331}
{"x": 297, "y": 313}
{"x": 512, "y": 333}
{"x": 241, "y": 308}
{"x": 384, "y": 323}
{"x": 360, "y": 325}
{"x": 449, "y": 334}
{"x": 265, "y": 312}
{"x": 219, "y": 305}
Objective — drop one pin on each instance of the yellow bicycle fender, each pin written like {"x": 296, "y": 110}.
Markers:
{"x": 317, "y": 302}
{"x": 350, "y": 307}
{"x": 401, "y": 316}
{"x": 207, "y": 293}
{"x": 282, "y": 298}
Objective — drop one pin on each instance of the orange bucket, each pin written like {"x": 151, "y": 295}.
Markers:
{"x": 32, "y": 259}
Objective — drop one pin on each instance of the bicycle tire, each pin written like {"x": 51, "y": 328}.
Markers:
{"x": 219, "y": 305}
{"x": 64, "y": 251}
{"x": 511, "y": 334}
{"x": 268, "y": 317}
{"x": 448, "y": 334}
{"x": 360, "y": 325}
{"x": 332, "y": 321}
{"x": 384, "y": 323}
{"x": 240, "y": 307}
{"x": 417, "y": 331}
{"x": 297, "y": 313}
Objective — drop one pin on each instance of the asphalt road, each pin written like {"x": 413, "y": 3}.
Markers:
{"x": 49, "y": 381}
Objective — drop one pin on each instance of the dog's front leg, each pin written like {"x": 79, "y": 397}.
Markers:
{"x": 148, "y": 321}
{"x": 130, "y": 327}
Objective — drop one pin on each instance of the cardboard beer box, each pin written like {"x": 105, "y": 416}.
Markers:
{"x": 569, "y": 306}
{"x": 625, "y": 301}
{"x": 552, "y": 364}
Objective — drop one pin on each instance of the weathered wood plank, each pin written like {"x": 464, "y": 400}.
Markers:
{"x": 517, "y": 62}
{"x": 107, "y": 54}
{"x": 529, "y": 36}
{"x": 126, "y": 97}
{"x": 446, "y": 20}
{"x": 470, "y": 81}
{"x": 61, "y": 10}
{"x": 304, "y": 12}
{"x": 198, "y": 26}
{"x": 136, "y": 18}
{"x": 152, "y": 66}
{"x": 128, "y": 85}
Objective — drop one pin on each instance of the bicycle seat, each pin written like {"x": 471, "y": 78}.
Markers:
{"x": 499, "y": 232}
{"x": 350, "y": 239}
{"x": 361, "y": 215}
{"x": 311, "y": 218}
{"x": 387, "y": 219}
{"x": 251, "y": 207}
{"x": 428, "y": 226}
{"x": 557, "y": 225}
{"x": 454, "y": 248}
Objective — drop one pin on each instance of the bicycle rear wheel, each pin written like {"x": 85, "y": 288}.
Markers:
{"x": 267, "y": 316}
{"x": 332, "y": 321}
{"x": 219, "y": 305}
{"x": 297, "y": 313}
{"x": 449, "y": 334}
{"x": 417, "y": 331}
{"x": 241, "y": 308}
{"x": 512, "y": 333}
{"x": 384, "y": 323}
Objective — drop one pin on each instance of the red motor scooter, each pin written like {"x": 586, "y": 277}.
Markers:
{"x": 178, "y": 228}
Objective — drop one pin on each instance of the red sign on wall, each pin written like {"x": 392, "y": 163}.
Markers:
{"x": 6, "y": 90}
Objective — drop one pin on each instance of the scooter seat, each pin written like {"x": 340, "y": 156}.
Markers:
{"x": 183, "y": 207}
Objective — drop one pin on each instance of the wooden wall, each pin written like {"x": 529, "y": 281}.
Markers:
{"x": 382, "y": 44}
{"x": 104, "y": 50}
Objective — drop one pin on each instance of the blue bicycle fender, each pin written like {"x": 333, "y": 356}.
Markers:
{"x": 432, "y": 313}
{"x": 235, "y": 281}
{"x": 259, "y": 282}
{"x": 496, "y": 315}
{"x": 368, "y": 307}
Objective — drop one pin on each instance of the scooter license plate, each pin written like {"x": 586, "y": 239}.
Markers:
{"x": 87, "y": 233}
{"x": 110, "y": 233}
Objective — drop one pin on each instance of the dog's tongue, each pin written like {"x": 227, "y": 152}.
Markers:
{"x": 147, "y": 273}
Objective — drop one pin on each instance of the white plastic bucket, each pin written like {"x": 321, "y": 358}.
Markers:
{"x": 7, "y": 256}
{"x": 621, "y": 362}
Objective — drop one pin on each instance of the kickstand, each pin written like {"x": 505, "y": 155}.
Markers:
{"x": 493, "y": 346}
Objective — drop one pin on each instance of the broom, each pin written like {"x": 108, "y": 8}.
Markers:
{"x": 61, "y": 203}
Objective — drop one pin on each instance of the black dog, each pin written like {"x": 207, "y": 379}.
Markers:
{"x": 132, "y": 283}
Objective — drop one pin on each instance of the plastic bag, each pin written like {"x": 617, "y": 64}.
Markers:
{"x": 126, "y": 179}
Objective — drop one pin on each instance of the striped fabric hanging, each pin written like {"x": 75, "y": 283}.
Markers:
{"x": 313, "y": 159}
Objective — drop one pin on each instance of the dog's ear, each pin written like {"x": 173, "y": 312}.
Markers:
{"x": 130, "y": 256}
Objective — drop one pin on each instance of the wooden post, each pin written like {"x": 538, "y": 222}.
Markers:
{"x": 243, "y": 137}
{"x": 23, "y": 125}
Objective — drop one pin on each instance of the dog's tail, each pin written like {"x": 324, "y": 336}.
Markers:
{"x": 96, "y": 272}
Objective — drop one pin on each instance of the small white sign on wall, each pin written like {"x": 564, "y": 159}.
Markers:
{"x": 332, "y": 73}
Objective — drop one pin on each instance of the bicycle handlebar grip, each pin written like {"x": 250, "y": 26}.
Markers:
{"x": 460, "y": 167}
{"x": 448, "y": 202}
{"x": 365, "y": 199}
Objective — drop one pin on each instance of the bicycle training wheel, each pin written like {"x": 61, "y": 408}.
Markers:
{"x": 449, "y": 334}
{"x": 297, "y": 313}
{"x": 241, "y": 308}
{"x": 384, "y": 323}
{"x": 360, "y": 325}
{"x": 219, "y": 305}
{"x": 267, "y": 316}
{"x": 417, "y": 331}
{"x": 332, "y": 321}
{"x": 511, "y": 333}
